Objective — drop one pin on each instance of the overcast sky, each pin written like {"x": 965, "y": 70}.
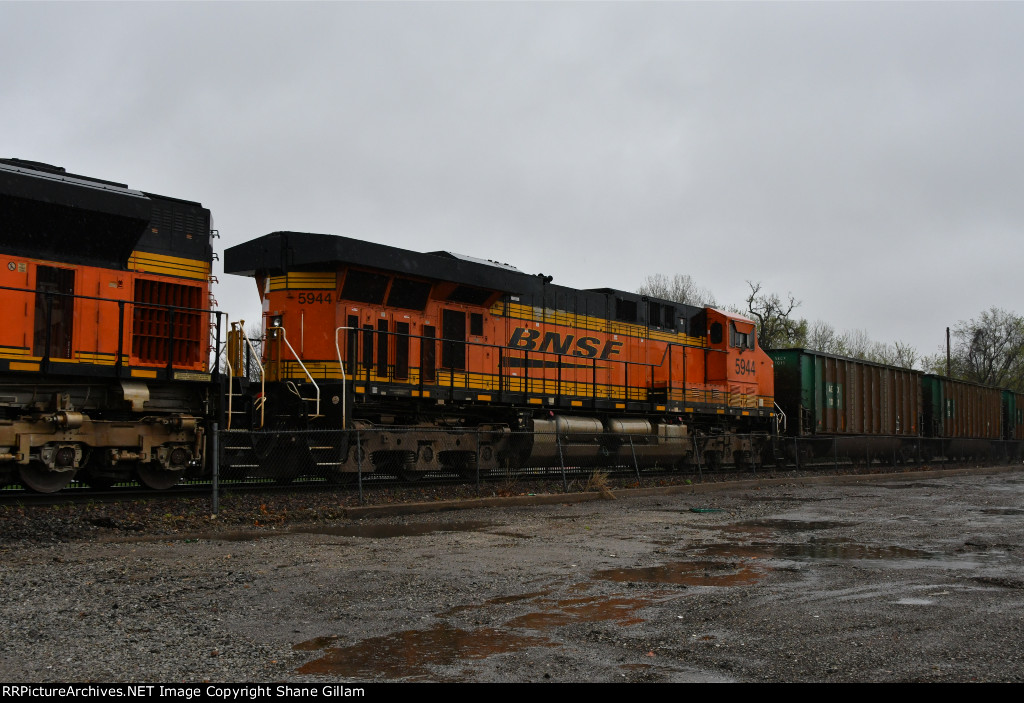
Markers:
{"x": 866, "y": 157}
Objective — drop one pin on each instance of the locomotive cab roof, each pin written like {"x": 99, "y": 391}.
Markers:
{"x": 280, "y": 252}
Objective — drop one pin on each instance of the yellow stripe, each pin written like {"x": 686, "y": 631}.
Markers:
{"x": 13, "y": 352}
{"x": 22, "y": 366}
{"x": 519, "y": 311}
{"x": 304, "y": 279}
{"x": 169, "y": 265}
{"x": 143, "y": 374}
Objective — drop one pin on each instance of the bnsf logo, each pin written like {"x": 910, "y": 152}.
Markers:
{"x": 526, "y": 339}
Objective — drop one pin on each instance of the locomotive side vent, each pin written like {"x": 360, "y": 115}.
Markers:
{"x": 156, "y": 303}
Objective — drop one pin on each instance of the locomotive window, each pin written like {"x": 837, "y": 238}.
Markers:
{"x": 715, "y": 333}
{"x": 625, "y": 310}
{"x": 411, "y": 295}
{"x": 469, "y": 295}
{"x": 364, "y": 287}
{"x": 476, "y": 324}
{"x": 743, "y": 340}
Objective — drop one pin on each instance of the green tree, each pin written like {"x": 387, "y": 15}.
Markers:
{"x": 988, "y": 349}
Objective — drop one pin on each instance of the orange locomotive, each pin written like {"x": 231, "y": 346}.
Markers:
{"x": 521, "y": 372}
{"x": 105, "y": 345}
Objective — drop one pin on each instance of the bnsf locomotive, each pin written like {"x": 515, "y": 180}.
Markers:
{"x": 484, "y": 366}
{"x": 105, "y": 342}
{"x": 381, "y": 359}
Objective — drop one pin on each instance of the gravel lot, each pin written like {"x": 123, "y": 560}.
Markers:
{"x": 908, "y": 577}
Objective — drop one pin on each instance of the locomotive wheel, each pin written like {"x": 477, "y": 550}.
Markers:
{"x": 36, "y": 476}
{"x": 155, "y": 477}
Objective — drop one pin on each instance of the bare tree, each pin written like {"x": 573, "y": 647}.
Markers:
{"x": 680, "y": 288}
{"x": 776, "y": 327}
{"x": 821, "y": 336}
{"x": 858, "y": 343}
{"x": 895, "y": 354}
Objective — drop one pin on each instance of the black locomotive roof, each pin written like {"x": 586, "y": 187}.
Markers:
{"x": 280, "y": 252}
{"x": 48, "y": 213}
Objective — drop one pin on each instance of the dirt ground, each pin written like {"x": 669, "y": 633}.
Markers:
{"x": 912, "y": 577}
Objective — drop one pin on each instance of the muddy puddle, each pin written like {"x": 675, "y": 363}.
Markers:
{"x": 687, "y": 573}
{"x": 817, "y": 548}
{"x": 410, "y": 654}
{"x": 617, "y": 609}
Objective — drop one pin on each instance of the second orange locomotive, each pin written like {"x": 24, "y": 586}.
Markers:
{"x": 495, "y": 367}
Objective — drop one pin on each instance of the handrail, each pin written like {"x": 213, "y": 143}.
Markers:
{"x": 341, "y": 365}
{"x": 284, "y": 337}
{"x": 782, "y": 415}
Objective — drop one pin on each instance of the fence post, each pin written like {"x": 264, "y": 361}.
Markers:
{"x": 359, "y": 467}
{"x": 636, "y": 465}
{"x": 478, "y": 461}
{"x": 561, "y": 459}
{"x": 215, "y": 449}
{"x": 696, "y": 453}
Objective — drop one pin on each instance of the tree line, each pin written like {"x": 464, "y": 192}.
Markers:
{"x": 987, "y": 349}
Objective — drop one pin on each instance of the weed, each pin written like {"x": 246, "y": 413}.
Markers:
{"x": 598, "y": 482}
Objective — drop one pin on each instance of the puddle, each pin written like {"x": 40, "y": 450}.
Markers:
{"x": 386, "y": 531}
{"x": 1003, "y": 511}
{"x": 688, "y": 573}
{"x": 897, "y": 486}
{"x": 792, "y": 525}
{"x": 588, "y": 609}
{"x": 508, "y": 533}
{"x": 820, "y": 548}
{"x": 408, "y": 654}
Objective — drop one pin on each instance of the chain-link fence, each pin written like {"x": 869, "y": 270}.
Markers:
{"x": 381, "y": 455}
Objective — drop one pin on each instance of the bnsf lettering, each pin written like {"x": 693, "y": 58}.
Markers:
{"x": 526, "y": 339}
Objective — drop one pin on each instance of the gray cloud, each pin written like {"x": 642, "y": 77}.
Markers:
{"x": 864, "y": 156}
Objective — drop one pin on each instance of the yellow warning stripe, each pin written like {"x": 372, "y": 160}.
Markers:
{"x": 147, "y": 262}
{"x": 306, "y": 280}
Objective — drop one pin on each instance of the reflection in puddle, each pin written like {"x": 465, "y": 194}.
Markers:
{"x": 828, "y": 548}
{"x": 588, "y": 609}
{"x": 384, "y": 531}
{"x": 896, "y": 486}
{"x": 408, "y": 654}
{"x": 688, "y": 573}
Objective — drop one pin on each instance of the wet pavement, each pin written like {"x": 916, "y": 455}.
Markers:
{"x": 894, "y": 579}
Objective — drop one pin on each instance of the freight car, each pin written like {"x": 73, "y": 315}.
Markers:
{"x": 860, "y": 410}
{"x": 105, "y": 343}
{"x": 484, "y": 366}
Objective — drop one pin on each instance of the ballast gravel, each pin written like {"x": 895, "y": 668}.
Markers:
{"x": 904, "y": 577}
